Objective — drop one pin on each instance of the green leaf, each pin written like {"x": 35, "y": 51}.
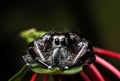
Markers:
{"x": 38, "y": 69}
{"x": 31, "y": 34}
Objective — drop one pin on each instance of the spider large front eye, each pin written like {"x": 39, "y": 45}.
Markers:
{"x": 63, "y": 42}
{"x": 56, "y": 41}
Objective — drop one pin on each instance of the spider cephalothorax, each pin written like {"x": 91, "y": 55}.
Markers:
{"x": 62, "y": 50}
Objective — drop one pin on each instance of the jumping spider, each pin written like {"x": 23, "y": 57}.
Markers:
{"x": 62, "y": 50}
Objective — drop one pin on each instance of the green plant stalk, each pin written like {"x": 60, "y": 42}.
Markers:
{"x": 19, "y": 75}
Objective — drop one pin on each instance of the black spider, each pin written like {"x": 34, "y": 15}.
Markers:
{"x": 63, "y": 50}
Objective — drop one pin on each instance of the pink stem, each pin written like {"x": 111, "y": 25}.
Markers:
{"x": 108, "y": 66}
{"x": 85, "y": 77}
{"x": 106, "y": 53}
{"x": 46, "y": 77}
{"x": 34, "y": 77}
{"x": 97, "y": 73}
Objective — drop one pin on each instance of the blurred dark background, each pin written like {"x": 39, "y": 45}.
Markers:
{"x": 97, "y": 20}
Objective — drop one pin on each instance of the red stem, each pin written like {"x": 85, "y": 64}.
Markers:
{"x": 46, "y": 77}
{"x": 97, "y": 73}
{"x": 108, "y": 66}
{"x": 34, "y": 77}
{"x": 106, "y": 53}
{"x": 85, "y": 77}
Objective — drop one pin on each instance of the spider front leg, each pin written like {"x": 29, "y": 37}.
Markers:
{"x": 41, "y": 57}
{"x": 81, "y": 52}
{"x": 85, "y": 55}
{"x": 38, "y": 51}
{"x": 34, "y": 54}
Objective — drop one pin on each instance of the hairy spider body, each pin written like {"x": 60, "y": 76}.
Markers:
{"x": 63, "y": 50}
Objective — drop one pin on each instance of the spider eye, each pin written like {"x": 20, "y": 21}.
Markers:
{"x": 57, "y": 41}
{"x": 63, "y": 42}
